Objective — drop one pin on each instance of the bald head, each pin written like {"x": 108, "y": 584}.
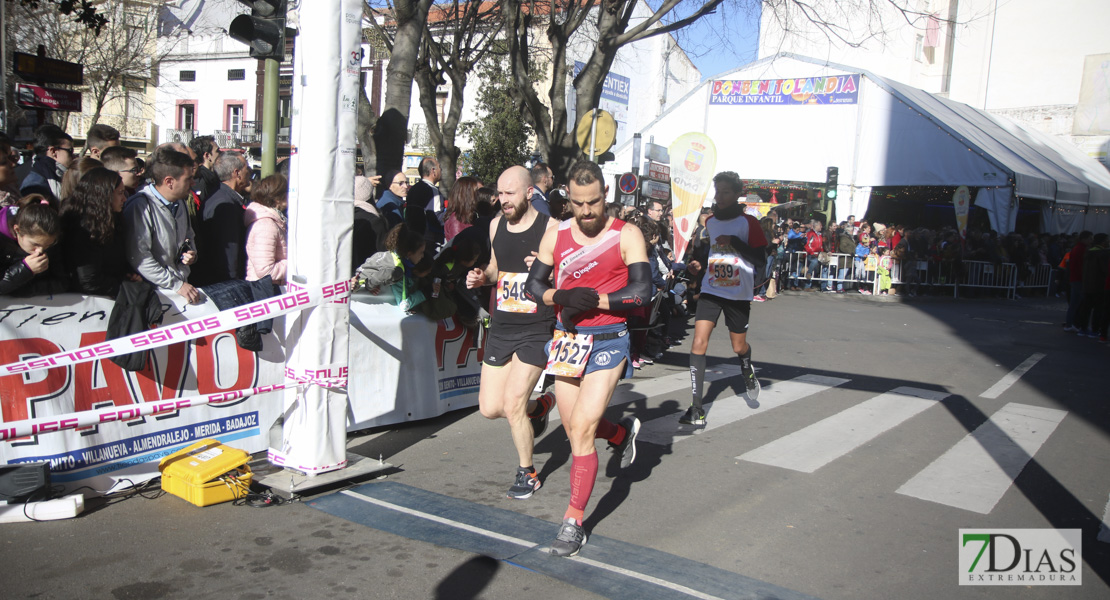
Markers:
{"x": 514, "y": 190}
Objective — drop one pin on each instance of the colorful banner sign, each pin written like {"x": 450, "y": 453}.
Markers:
{"x": 834, "y": 89}
{"x": 961, "y": 202}
{"x": 693, "y": 160}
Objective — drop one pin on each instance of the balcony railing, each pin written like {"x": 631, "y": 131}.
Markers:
{"x": 251, "y": 133}
{"x": 135, "y": 129}
{"x": 179, "y": 135}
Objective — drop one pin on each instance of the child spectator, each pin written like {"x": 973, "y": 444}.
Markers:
{"x": 264, "y": 219}
{"x": 26, "y": 233}
{"x": 396, "y": 268}
{"x": 883, "y": 267}
{"x": 92, "y": 234}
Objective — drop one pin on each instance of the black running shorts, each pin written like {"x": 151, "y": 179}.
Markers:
{"x": 528, "y": 346}
{"x": 736, "y": 312}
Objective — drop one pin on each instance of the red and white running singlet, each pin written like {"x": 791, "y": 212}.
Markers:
{"x": 598, "y": 266}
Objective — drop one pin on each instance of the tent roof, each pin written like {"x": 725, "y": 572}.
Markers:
{"x": 1040, "y": 166}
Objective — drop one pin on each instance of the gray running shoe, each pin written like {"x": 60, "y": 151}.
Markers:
{"x": 693, "y": 416}
{"x": 570, "y": 540}
{"x": 627, "y": 448}
{"x": 525, "y": 485}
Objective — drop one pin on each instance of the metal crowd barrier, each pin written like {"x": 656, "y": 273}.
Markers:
{"x": 1039, "y": 276}
{"x": 798, "y": 269}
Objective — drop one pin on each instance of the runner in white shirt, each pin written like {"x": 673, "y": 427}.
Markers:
{"x": 734, "y": 258}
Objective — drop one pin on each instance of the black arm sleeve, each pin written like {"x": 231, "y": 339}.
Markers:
{"x": 538, "y": 282}
{"x": 756, "y": 256}
{"x": 636, "y": 293}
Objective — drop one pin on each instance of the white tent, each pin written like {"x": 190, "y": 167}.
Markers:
{"x": 882, "y": 133}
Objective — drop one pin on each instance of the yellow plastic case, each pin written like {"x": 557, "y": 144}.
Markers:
{"x": 193, "y": 473}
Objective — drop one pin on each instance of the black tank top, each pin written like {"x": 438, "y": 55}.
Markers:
{"x": 511, "y": 309}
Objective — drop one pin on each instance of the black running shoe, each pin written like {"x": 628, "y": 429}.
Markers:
{"x": 539, "y": 416}
{"x": 747, "y": 372}
{"x": 525, "y": 485}
{"x": 570, "y": 540}
{"x": 627, "y": 448}
{"x": 693, "y": 416}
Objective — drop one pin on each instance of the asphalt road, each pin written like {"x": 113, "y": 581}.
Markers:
{"x": 832, "y": 483}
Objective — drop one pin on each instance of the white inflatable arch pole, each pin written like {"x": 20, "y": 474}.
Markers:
{"x": 321, "y": 210}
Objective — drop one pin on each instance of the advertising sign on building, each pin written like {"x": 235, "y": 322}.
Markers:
{"x": 834, "y": 89}
{"x": 33, "y": 96}
{"x": 615, "y": 93}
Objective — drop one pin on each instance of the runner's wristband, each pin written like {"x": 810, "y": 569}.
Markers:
{"x": 637, "y": 292}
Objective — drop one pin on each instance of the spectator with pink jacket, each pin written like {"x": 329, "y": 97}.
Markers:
{"x": 264, "y": 218}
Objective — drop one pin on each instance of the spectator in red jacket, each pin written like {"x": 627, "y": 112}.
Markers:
{"x": 815, "y": 244}
{"x": 1075, "y": 279}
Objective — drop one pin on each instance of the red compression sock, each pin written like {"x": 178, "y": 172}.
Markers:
{"x": 583, "y": 473}
{"x": 608, "y": 430}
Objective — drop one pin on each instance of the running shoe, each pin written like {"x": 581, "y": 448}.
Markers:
{"x": 646, "y": 360}
{"x": 693, "y": 416}
{"x": 865, "y": 292}
{"x": 570, "y": 540}
{"x": 540, "y": 414}
{"x": 747, "y": 372}
{"x": 525, "y": 485}
{"x": 627, "y": 448}
{"x": 1071, "y": 328}
{"x": 758, "y": 299}
{"x": 637, "y": 363}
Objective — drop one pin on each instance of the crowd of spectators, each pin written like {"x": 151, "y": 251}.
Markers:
{"x": 192, "y": 217}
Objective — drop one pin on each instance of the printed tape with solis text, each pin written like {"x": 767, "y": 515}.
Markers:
{"x": 295, "y": 300}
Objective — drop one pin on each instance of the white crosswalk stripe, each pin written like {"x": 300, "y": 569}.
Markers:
{"x": 976, "y": 472}
{"x": 819, "y": 444}
{"x": 665, "y": 430}
{"x": 638, "y": 389}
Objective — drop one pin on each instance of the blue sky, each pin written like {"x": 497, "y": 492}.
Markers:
{"x": 721, "y": 41}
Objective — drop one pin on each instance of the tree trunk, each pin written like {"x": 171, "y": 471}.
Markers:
{"x": 392, "y": 131}
{"x": 365, "y": 130}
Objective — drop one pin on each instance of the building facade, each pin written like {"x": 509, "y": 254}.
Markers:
{"x": 1043, "y": 64}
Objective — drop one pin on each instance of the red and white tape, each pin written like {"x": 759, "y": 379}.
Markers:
{"x": 295, "y": 300}
{"x": 88, "y": 418}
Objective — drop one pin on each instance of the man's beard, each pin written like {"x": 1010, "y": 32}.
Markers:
{"x": 592, "y": 227}
{"x": 517, "y": 215}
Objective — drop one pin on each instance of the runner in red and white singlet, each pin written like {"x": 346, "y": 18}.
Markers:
{"x": 600, "y": 270}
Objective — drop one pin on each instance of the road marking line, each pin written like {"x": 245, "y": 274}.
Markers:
{"x": 723, "y": 412}
{"x": 1011, "y": 378}
{"x": 647, "y": 388}
{"x": 975, "y": 473}
{"x": 527, "y": 544}
{"x": 1104, "y": 527}
{"x": 817, "y": 445}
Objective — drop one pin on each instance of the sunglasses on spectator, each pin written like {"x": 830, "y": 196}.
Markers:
{"x": 133, "y": 171}
{"x": 70, "y": 150}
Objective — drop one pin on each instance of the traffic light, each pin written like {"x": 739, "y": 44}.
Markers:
{"x": 831, "y": 174}
{"x": 263, "y": 30}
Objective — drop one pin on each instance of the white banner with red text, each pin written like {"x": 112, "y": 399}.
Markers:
{"x": 188, "y": 390}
